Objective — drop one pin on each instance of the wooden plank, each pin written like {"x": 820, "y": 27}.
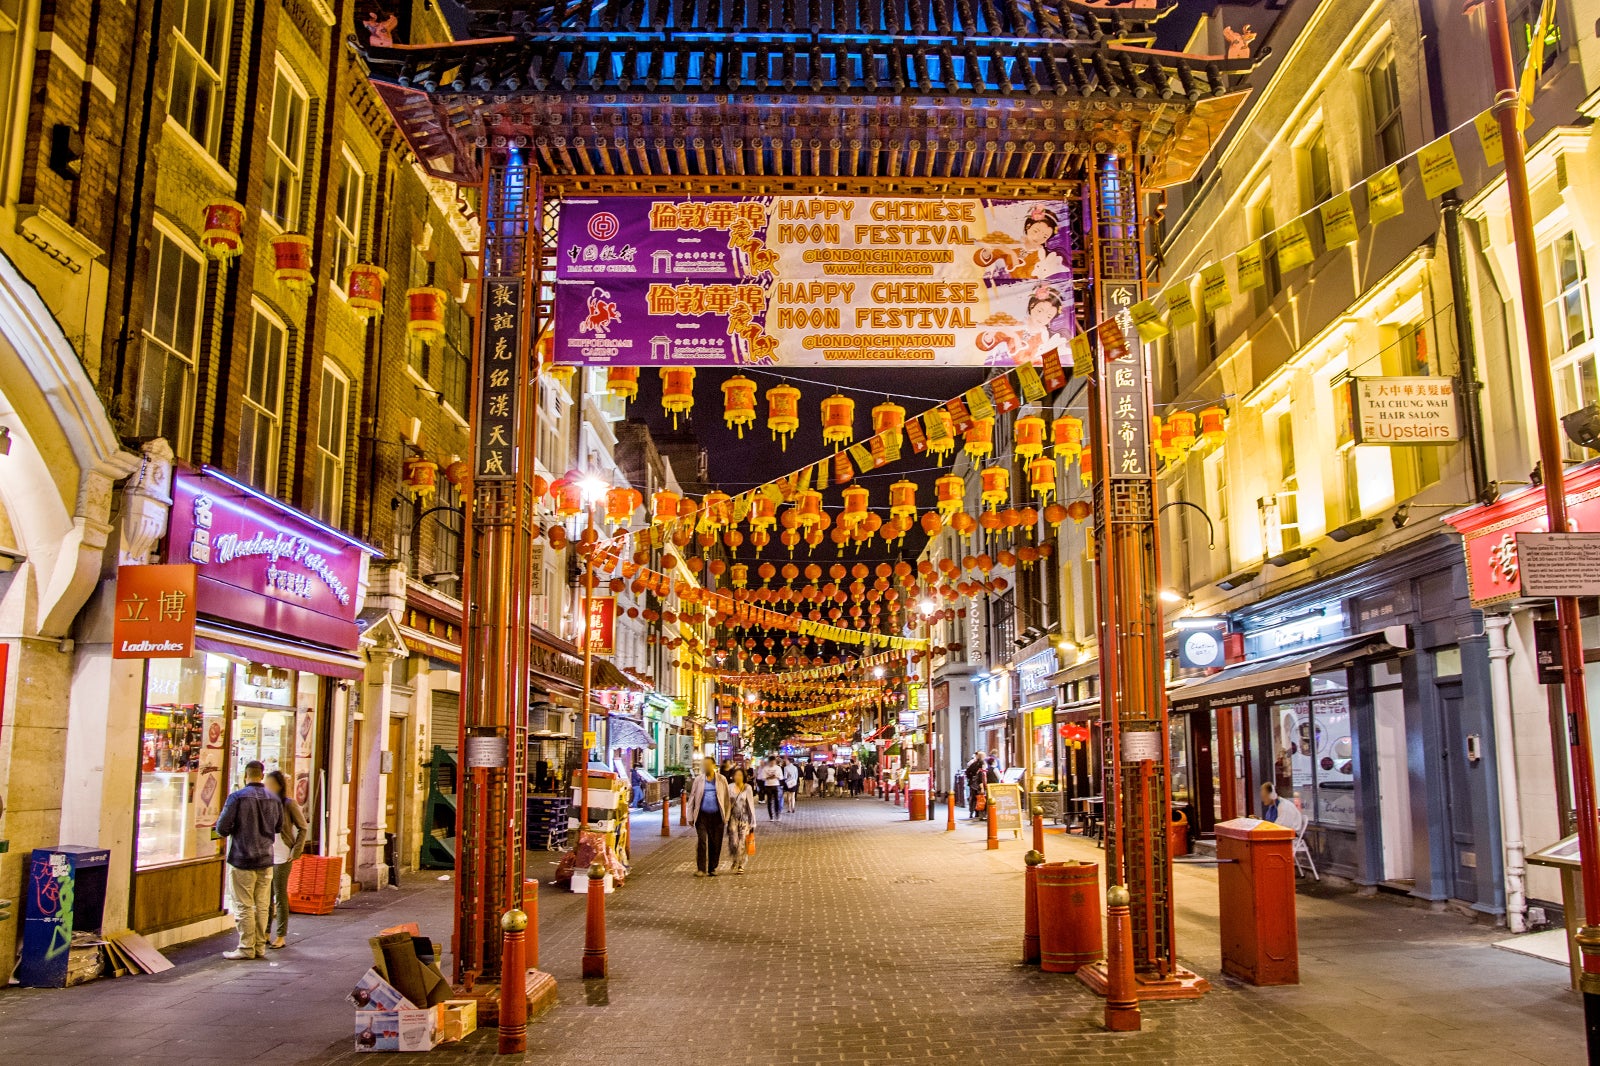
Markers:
{"x": 140, "y": 950}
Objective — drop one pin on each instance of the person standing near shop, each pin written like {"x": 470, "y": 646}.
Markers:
{"x": 286, "y": 847}
{"x": 250, "y": 821}
{"x": 977, "y": 773}
{"x": 808, "y": 774}
{"x": 741, "y": 818}
{"x": 791, "y": 783}
{"x": 708, "y": 813}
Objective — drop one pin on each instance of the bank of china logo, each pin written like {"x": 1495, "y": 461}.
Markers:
{"x": 602, "y": 313}
{"x": 603, "y": 225}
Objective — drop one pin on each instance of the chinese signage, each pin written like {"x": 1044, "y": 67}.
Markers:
{"x": 155, "y": 612}
{"x": 1034, "y": 673}
{"x": 1127, "y": 419}
{"x": 602, "y": 625}
{"x": 811, "y": 281}
{"x": 1559, "y": 564}
{"x": 1403, "y": 411}
{"x": 494, "y": 452}
{"x": 1490, "y": 534}
{"x": 261, "y": 565}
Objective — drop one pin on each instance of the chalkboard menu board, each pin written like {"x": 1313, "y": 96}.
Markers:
{"x": 1006, "y": 800}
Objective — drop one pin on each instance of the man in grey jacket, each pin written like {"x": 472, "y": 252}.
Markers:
{"x": 708, "y": 813}
{"x": 250, "y": 821}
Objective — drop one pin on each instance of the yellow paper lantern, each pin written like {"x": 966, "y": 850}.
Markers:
{"x": 808, "y": 510}
{"x": 1086, "y": 466}
{"x": 855, "y": 507}
{"x": 623, "y": 382}
{"x": 739, "y": 575}
{"x": 716, "y": 511}
{"x": 950, "y": 494}
{"x": 887, "y": 416}
{"x": 995, "y": 486}
{"x": 1066, "y": 433}
{"x": 838, "y": 420}
{"x": 942, "y": 445}
{"x": 677, "y": 391}
{"x": 568, "y": 495}
{"x": 739, "y": 403}
{"x": 664, "y": 504}
{"x": 978, "y": 441}
{"x": 620, "y": 504}
{"x": 291, "y": 259}
{"x": 1042, "y": 476}
{"x": 763, "y": 513}
{"x": 783, "y": 413}
{"x": 1028, "y": 435}
{"x": 1213, "y": 426}
{"x": 903, "y": 499}
{"x": 1183, "y": 430}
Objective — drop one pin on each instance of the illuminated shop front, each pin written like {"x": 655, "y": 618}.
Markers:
{"x": 277, "y": 596}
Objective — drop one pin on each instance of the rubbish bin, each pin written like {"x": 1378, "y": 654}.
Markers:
{"x": 1070, "y": 932}
{"x": 65, "y": 893}
{"x": 1255, "y": 883}
{"x": 919, "y": 805}
{"x": 1178, "y": 834}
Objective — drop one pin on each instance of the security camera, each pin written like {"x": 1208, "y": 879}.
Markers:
{"x": 1583, "y": 427}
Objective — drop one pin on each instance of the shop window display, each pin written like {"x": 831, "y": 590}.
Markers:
{"x": 181, "y": 786}
{"x": 1317, "y": 753}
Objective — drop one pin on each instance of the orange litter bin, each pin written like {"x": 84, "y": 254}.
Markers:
{"x": 1070, "y": 930}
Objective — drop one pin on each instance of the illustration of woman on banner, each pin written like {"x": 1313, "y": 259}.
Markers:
{"x": 1025, "y": 342}
{"x": 1031, "y": 258}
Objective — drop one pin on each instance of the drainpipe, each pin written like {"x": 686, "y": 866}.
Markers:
{"x": 1505, "y": 757}
{"x": 1483, "y": 489}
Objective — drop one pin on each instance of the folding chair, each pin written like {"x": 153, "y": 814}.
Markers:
{"x": 1301, "y": 848}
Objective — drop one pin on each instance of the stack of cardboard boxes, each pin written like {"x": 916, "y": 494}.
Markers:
{"x": 403, "y": 1002}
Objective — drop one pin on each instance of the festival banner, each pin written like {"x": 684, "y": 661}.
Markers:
{"x": 811, "y": 281}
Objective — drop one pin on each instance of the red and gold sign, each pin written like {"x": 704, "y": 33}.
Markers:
{"x": 421, "y": 477}
{"x": 602, "y": 626}
{"x": 154, "y": 612}
{"x": 425, "y": 308}
{"x": 291, "y": 260}
{"x": 364, "y": 289}
{"x": 222, "y": 230}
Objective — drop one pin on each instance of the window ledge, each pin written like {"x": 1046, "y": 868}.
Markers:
{"x": 56, "y": 237}
{"x": 201, "y": 156}
{"x": 455, "y": 416}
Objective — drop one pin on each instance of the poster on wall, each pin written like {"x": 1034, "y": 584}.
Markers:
{"x": 811, "y": 281}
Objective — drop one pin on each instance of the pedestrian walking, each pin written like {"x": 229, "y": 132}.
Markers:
{"x": 977, "y": 773}
{"x": 808, "y": 778}
{"x": 286, "y": 848}
{"x": 250, "y": 821}
{"x": 855, "y": 779}
{"x": 791, "y": 783}
{"x": 827, "y": 786}
{"x": 708, "y": 813}
{"x": 772, "y": 785}
{"x": 741, "y": 818}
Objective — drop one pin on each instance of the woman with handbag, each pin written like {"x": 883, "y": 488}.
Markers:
{"x": 977, "y": 773}
{"x": 741, "y": 818}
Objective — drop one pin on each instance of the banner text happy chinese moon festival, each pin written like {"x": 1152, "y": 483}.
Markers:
{"x": 811, "y": 281}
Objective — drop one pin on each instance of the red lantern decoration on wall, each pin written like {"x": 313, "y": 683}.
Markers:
{"x": 425, "y": 312}
{"x": 222, "y": 230}
{"x": 291, "y": 260}
{"x": 364, "y": 289}
{"x": 421, "y": 477}
{"x": 459, "y": 471}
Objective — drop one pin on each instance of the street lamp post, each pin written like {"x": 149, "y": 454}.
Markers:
{"x": 594, "y": 491}
{"x": 927, "y": 607}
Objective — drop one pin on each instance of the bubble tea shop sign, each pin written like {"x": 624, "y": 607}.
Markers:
{"x": 262, "y": 565}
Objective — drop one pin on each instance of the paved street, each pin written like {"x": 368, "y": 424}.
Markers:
{"x": 857, "y": 937}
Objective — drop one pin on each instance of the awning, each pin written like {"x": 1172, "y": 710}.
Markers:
{"x": 1282, "y": 677}
{"x": 284, "y": 654}
{"x": 606, "y": 674}
{"x": 1079, "y": 710}
{"x": 626, "y": 733}
{"x": 880, "y": 734}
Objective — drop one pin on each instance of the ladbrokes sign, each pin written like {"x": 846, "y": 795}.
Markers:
{"x": 155, "y": 612}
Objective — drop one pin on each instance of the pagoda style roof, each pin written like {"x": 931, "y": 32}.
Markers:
{"x": 957, "y": 90}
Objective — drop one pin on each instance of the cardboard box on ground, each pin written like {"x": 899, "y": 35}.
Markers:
{"x": 404, "y": 973}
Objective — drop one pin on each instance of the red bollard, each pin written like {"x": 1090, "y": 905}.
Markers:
{"x": 1030, "y": 906}
{"x": 513, "y": 983}
{"x": 1038, "y": 829}
{"x": 666, "y": 818}
{"x": 994, "y": 826}
{"x": 594, "y": 929}
{"x": 950, "y": 811}
{"x": 530, "y": 907}
{"x": 683, "y": 807}
{"x": 1122, "y": 1002}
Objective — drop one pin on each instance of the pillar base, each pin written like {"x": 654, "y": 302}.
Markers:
{"x": 1180, "y": 984}
{"x": 541, "y": 989}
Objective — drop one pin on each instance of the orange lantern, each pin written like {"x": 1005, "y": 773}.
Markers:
{"x": 425, "y": 312}
{"x": 783, "y": 413}
{"x": 677, "y": 391}
{"x": 665, "y": 506}
{"x": 939, "y": 447}
{"x": 1066, "y": 433}
{"x": 623, "y": 382}
{"x": 1213, "y": 426}
{"x": 1163, "y": 433}
{"x": 1183, "y": 426}
{"x": 978, "y": 441}
{"x": 1028, "y": 435}
{"x": 903, "y": 499}
{"x": 838, "y": 420}
{"x": 932, "y": 523}
{"x": 460, "y": 471}
{"x": 620, "y": 505}
{"x": 561, "y": 373}
{"x": 763, "y": 512}
{"x": 950, "y": 494}
{"x": 715, "y": 512}
{"x": 996, "y": 486}
{"x": 568, "y": 494}
{"x": 222, "y": 230}
{"x": 855, "y": 506}
{"x": 1086, "y": 466}
{"x": 887, "y": 416}
{"x": 808, "y": 509}
{"x": 1042, "y": 476}
{"x": 364, "y": 289}
{"x": 739, "y": 403}
{"x": 421, "y": 477}
{"x": 739, "y": 575}
{"x": 1079, "y": 510}
{"x": 1054, "y": 513}
{"x": 291, "y": 260}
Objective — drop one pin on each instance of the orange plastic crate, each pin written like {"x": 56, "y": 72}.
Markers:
{"x": 301, "y": 903}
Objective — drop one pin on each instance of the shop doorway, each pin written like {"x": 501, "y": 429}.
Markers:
{"x": 1394, "y": 786}
{"x": 352, "y": 775}
{"x": 395, "y": 760}
{"x": 1459, "y": 830}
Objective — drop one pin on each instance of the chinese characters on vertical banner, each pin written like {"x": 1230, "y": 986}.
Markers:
{"x": 1127, "y": 416}
{"x": 495, "y": 450}
{"x": 602, "y": 625}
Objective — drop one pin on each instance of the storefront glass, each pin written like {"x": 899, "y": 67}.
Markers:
{"x": 1315, "y": 752}
{"x": 1178, "y": 757}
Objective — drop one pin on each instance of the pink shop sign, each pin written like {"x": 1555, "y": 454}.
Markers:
{"x": 263, "y": 565}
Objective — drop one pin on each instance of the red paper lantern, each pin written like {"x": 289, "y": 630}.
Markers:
{"x": 425, "y": 312}
{"x": 291, "y": 259}
{"x": 364, "y": 289}
{"x": 222, "y": 230}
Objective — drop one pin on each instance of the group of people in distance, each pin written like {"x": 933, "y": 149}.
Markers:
{"x": 723, "y": 802}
